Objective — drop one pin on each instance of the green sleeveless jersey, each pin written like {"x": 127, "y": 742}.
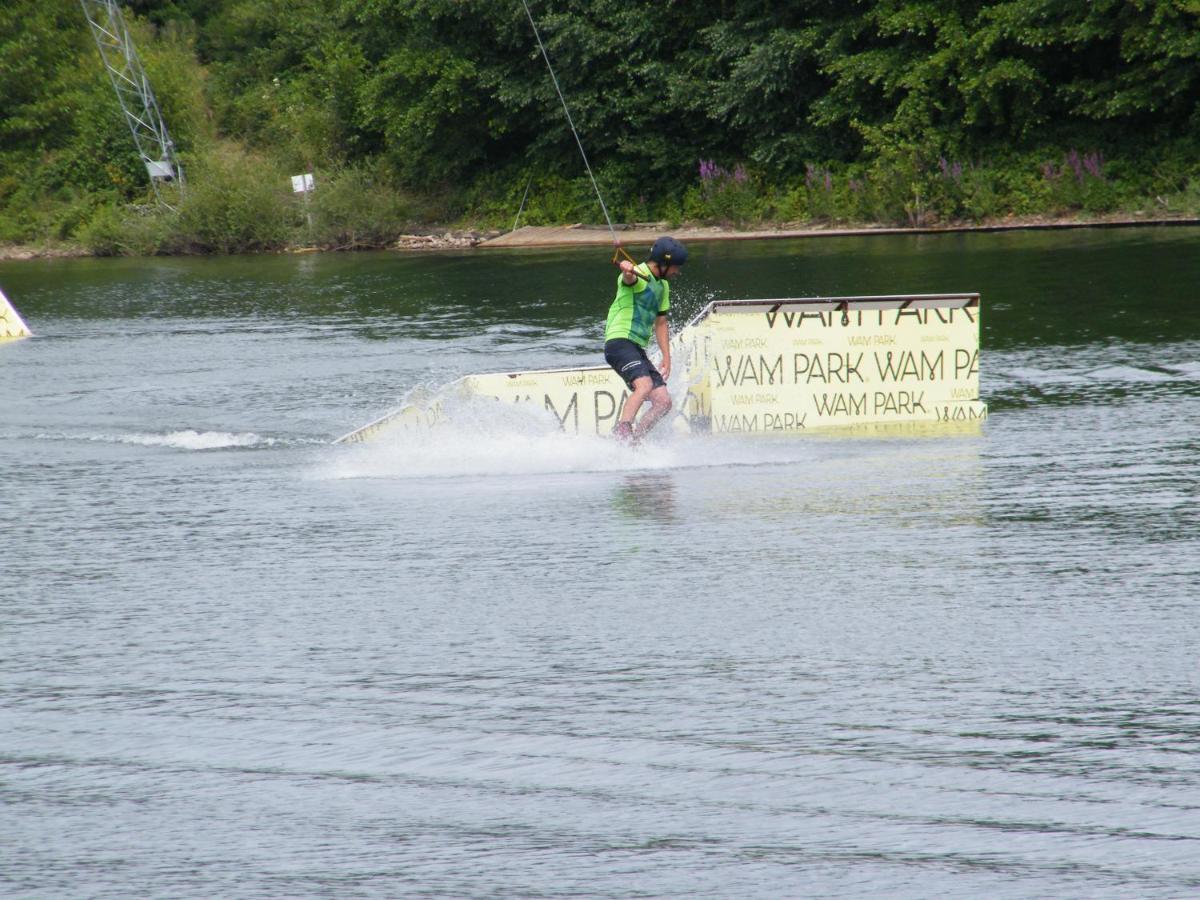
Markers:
{"x": 636, "y": 306}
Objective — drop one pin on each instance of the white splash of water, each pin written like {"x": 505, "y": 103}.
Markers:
{"x": 189, "y": 439}
{"x": 482, "y": 437}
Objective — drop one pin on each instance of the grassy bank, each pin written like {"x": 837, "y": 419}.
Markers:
{"x": 238, "y": 201}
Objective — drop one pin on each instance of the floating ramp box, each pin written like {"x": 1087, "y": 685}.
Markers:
{"x": 11, "y": 325}
{"x": 764, "y": 367}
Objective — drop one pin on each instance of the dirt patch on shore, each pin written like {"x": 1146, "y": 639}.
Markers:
{"x": 20, "y": 251}
{"x": 579, "y": 234}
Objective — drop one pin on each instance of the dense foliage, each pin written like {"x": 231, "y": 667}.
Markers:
{"x": 904, "y": 111}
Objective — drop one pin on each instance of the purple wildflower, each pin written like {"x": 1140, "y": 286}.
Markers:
{"x": 1076, "y": 165}
{"x": 1093, "y": 164}
{"x": 950, "y": 170}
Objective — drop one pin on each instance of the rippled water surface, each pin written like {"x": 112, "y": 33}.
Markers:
{"x": 238, "y": 661}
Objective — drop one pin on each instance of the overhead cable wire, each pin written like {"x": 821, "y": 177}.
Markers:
{"x": 571, "y": 122}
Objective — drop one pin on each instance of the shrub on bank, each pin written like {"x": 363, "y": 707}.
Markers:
{"x": 724, "y": 196}
{"x": 902, "y": 189}
{"x": 236, "y": 203}
{"x": 239, "y": 202}
{"x": 908, "y": 190}
{"x": 127, "y": 230}
{"x": 1186, "y": 201}
{"x": 354, "y": 208}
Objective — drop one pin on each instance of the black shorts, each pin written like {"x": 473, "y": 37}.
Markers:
{"x": 630, "y": 362}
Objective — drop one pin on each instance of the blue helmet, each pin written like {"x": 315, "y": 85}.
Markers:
{"x": 668, "y": 252}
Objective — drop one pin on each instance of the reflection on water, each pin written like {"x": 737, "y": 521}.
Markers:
{"x": 647, "y": 495}
{"x": 237, "y": 661}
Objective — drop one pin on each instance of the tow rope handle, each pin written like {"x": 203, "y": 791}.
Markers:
{"x": 619, "y": 252}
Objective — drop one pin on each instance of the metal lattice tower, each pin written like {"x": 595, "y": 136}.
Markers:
{"x": 137, "y": 101}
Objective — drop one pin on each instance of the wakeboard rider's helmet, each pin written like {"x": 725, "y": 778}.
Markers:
{"x": 668, "y": 252}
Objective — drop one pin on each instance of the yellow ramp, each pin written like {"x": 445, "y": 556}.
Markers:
{"x": 781, "y": 366}
{"x": 11, "y": 324}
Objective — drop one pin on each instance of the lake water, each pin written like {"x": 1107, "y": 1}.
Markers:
{"x": 238, "y": 661}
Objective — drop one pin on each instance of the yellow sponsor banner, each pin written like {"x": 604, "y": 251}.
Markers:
{"x": 802, "y": 365}
{"x": 581, "y": 401}
{"x": 11, "y": 325}
{"x": 766, "y": 366}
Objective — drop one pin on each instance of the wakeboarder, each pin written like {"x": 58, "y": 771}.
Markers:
{"x": 639, "y": 309}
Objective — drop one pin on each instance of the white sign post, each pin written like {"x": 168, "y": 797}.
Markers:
{"x": 303, "y": 184}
